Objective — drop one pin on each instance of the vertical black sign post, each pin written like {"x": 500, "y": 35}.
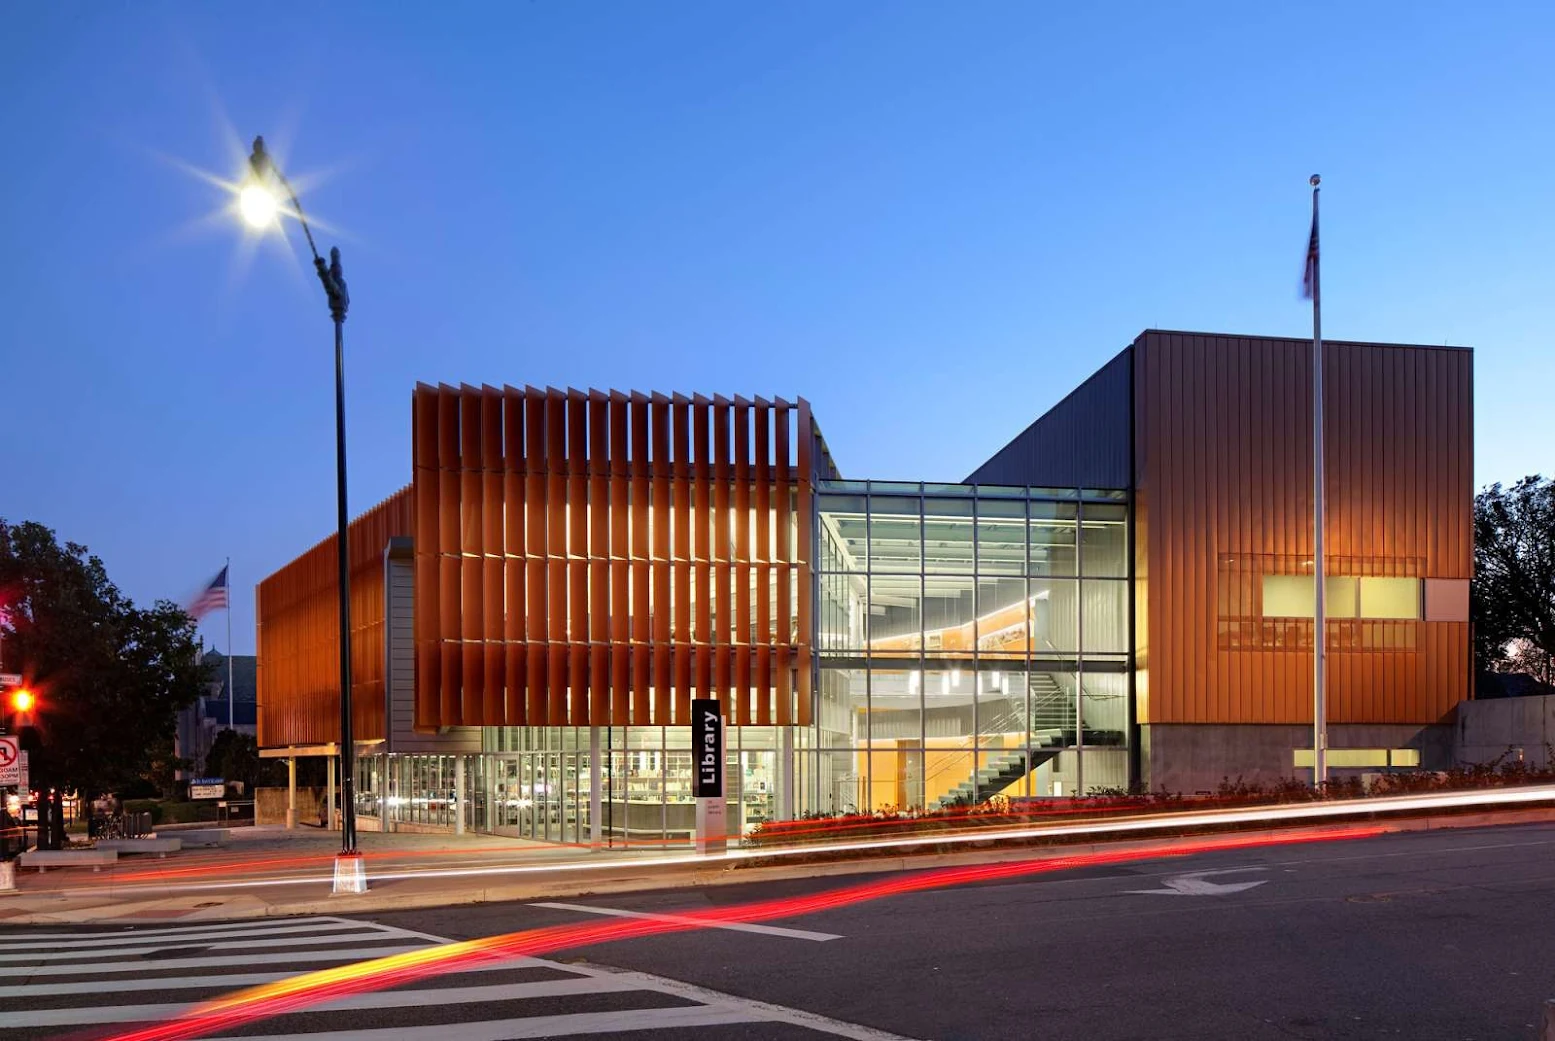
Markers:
{"x": 707, "y": 760}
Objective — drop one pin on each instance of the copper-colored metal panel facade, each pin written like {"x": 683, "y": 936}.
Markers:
{"x": 584, "y": 558}
{"x": 426, "y": 474}
{"x": 299, "y": 634}
{"x": 1223, "y": 435}
{"x": 580, "y": 559}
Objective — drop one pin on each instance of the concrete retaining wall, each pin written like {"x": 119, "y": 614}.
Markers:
{"x": 1498, "y": 728}
{"x": 270, "y": 805}
{"x": 1192, "y": 758}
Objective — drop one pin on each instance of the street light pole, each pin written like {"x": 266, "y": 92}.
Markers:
{"x": 350, "y": 876}
{"x": 338, "y": 302}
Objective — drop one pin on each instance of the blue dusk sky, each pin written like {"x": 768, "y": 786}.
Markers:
{"x": 930, "y": 219}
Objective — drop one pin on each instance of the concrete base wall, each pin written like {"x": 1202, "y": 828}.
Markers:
{"x": 1497, "y": 729}
{"x": 1193, "y": 758}
{"x": 270, "y": 805}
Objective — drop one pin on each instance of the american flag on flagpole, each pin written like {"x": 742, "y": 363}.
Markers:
{"x": 1309, "y": 276}
{"x": 214, "y": 598}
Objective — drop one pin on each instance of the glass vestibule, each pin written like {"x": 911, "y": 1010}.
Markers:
{"x": 540, "y": 780}
{"x": 973, "y": 642}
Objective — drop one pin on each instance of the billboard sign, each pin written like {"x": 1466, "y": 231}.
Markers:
{"x": 707, "y": 749}
{"x": 207, "y": 788}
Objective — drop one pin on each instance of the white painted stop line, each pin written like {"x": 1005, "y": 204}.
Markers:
{"x": 702, "y": 923}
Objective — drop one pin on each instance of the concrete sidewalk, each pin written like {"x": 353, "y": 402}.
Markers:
{"x": 418, "y": 871}
{"x": 275, "y": 871}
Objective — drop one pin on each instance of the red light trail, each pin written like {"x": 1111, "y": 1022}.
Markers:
{"x": 316, "y": 988}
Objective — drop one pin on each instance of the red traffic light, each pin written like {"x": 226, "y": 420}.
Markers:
{"x": 22, "y": 700}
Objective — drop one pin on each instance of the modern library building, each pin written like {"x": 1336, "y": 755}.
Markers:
{"x": 1121, "y": 597}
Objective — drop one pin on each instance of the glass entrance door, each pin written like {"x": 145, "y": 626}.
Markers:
{"x": 509, "y": 797}
{"x": 758, "y": 789}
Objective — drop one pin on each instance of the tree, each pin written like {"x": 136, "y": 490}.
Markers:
{"x": 110, "y": 677}
{"x": 234, "y": 756}
{"x": 1514, "y": 578}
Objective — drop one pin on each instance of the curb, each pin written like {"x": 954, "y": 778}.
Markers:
{"x": 682, "y": 876}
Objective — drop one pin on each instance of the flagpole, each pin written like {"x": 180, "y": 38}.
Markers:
{"x": 1319, "y": 572}
{"x": 227, "y": 571}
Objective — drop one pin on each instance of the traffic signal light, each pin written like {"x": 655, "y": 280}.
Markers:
{"x": 19, "y": 705}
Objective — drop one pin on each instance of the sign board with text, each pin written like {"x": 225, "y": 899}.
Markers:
{"x": 10, "y": 761}
{"x": 10, "y": 679}
{"x": 207, "y": 788}
{"x": 707, "y": 755}
{"x": 707, "y": 749}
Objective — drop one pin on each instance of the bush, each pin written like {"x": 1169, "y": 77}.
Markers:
{"x": 166, "y": 811}
{"x": 1001, "y": 811}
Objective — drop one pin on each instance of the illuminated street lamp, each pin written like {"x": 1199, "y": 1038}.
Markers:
{"x": 261, "y": 208}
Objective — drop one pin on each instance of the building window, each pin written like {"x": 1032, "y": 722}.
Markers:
{"x": 1346, "y": 596}
{"x": 1395, "y": 598}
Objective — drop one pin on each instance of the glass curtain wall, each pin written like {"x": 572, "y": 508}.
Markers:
{"x": 537, "y": 781}
{"x": 972, "y": 643}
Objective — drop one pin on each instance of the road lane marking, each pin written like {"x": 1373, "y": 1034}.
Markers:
{"x": 1196, "y": 883}
{"x": 100, "y": 1014}
{"x": 767, "y": 1011}
{"x": 58, "y": 990}
{"x": 216, "y": 982}
{"x": 283, "y": 958}
{"x": 355, "y": 936}
{"x": 619, "y": 1022}
{"x": 257, "y": 925}
{"x": 740, "y": 927}
{"x": 222, "y": 931}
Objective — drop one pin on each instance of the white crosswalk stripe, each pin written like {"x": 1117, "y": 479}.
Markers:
{"x": 106, "y": 981}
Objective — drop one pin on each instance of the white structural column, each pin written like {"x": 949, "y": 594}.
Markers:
{"x": 291, "y": 791}
{"x": 785, "y": 774}
{"x": 596, "y": 779}
{"x": 329, "y": 793}
{"x": 459, "y": 797}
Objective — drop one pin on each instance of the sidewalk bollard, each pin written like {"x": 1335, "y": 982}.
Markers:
{"x": 7, "y": 876}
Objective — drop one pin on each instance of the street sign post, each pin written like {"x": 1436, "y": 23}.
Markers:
{"x": 11, "y": 764}
{"x": 10, "y": 679}
{"x": 707, "y": 751}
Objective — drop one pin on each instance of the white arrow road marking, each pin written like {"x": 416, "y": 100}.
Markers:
{"x": 1194, "y": 884}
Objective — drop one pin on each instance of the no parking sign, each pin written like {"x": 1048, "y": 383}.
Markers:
{"x": 10, "y": 761}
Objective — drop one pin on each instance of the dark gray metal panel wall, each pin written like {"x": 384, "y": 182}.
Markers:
{"x": 1083, "y": 441}
{"x": 399, "y": 588}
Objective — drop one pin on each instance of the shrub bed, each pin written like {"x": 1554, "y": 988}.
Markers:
{"x": 1003, "y": 812}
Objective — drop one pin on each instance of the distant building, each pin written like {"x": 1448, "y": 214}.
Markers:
{"x": 1121, "y": 596}
{"x": 199, "y": 724}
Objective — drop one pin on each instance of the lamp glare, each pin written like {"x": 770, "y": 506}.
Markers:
{"x": 257, "y": 205}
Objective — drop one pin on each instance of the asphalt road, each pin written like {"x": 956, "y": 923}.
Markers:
{"x": 1418, "y": 935}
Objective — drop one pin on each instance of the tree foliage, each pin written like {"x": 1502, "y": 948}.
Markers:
{"x": 1514, "y": 578}
{"x": 234, "y": 756}
{"x": 110, "y": 677}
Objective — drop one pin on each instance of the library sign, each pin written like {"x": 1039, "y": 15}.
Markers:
{"x": 707, "y": 748}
